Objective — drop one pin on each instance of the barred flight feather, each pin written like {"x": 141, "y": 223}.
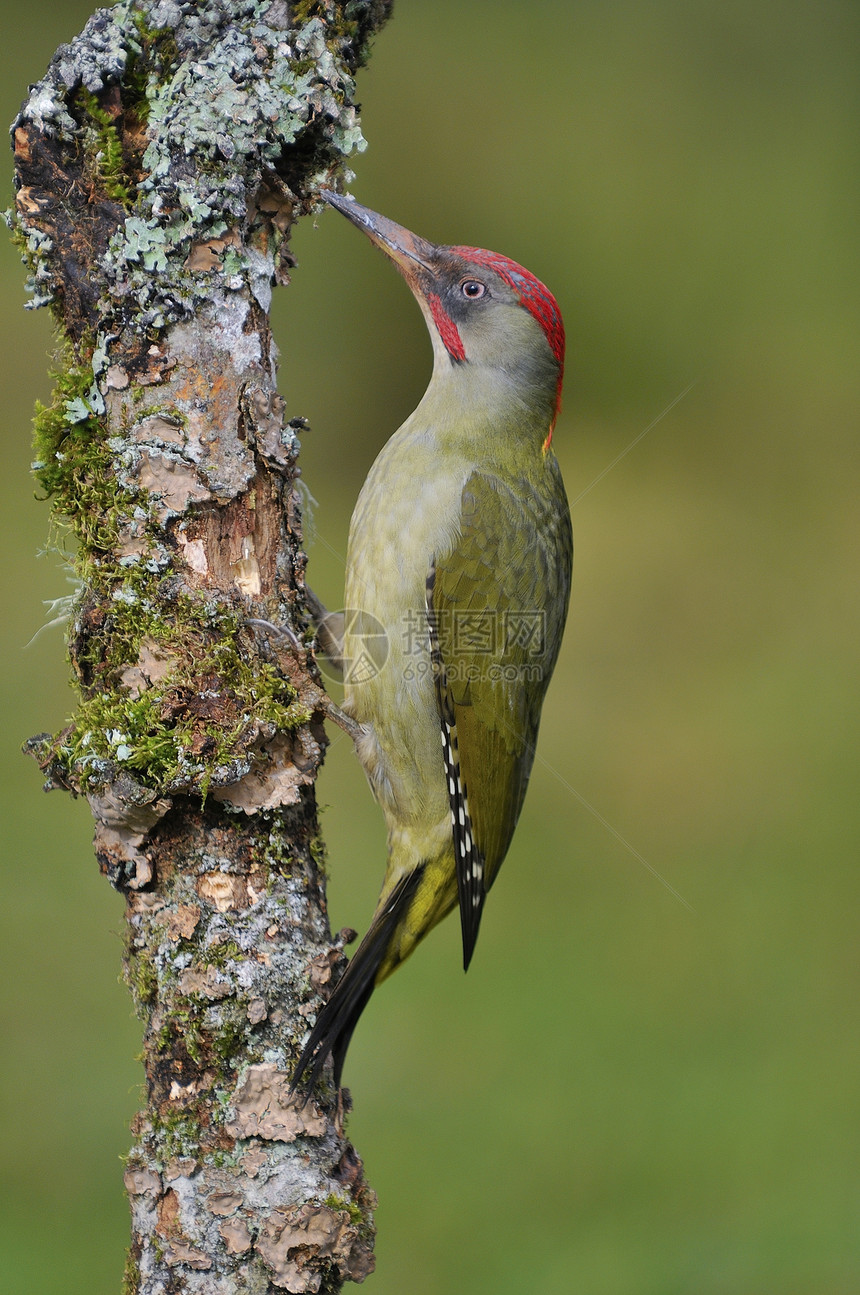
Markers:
{"x": 468, "y": 858}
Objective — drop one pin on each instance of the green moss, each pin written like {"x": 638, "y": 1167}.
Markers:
{"x": 131, "y": 728}
{"x": 191, "y": 1037}
{"x": 229, "y": 1040}
{"x": 275, "y": 852}
{"x": 211, "y": 1045}
{"x": 218, "y": 955}
{"x": 73, "y": 464}
{"x": 107, "y": 158}
{"x": 157, "y": 50}
{"x": 304, "y": 10}
{"x": 354, "y": 1211}
{"x": 341, "y": 25}
{"x": 131, "y": 1274}
{"x": 177, "y": 1134}
{"x": 166, "y": 735}
{"x": 302, "y": 66}
{"x": 222, "y": 1159}
{"x": 117, "y": 140}
{"x": 183, "y": 1020}
{"x": 205, "y": 712}
{"x": 20, "y": 239}
{"x": 318, "y": 853}
{"x": 141, "y": 977}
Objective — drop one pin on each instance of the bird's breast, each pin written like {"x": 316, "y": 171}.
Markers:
{"x": 407, "y": 513}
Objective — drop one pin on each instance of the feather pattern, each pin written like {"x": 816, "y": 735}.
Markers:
{"x": 499, "y": 603}
{"x": 468, "y": 860}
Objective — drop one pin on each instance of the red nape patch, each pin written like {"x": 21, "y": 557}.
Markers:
{"x": 446, "y": 328}
{"x": 534, "y": 295}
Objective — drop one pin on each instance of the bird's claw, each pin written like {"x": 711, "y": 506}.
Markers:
{"x": 344, "y": 721}
{"x": 276, "y": 631}
{"x": 332, "y": 712}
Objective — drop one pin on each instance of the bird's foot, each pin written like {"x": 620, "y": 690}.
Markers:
{"x": 276, "y": 631}
{"x": 344, "y": 721}
{"x": 331, "y": 711}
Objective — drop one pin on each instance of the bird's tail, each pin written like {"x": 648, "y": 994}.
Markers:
{"x": 338, "y": 1017}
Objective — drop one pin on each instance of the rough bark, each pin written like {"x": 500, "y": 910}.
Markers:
{"x": 160, "y": 166}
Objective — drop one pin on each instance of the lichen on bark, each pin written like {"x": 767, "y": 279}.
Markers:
{"x": 161, "y": 164}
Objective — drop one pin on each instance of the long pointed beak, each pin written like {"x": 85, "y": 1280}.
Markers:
{"x": 410, "y": 253}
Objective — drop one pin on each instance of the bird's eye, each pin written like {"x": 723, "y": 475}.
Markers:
{"x": 473, "y": 289}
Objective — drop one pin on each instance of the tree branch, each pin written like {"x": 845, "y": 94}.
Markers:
{"x": 161, "y": 164}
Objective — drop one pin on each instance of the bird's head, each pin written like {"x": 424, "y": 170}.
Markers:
{"x": 482, "y": 309}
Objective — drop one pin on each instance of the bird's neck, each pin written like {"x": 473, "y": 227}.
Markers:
{"x": 494, "y": 406}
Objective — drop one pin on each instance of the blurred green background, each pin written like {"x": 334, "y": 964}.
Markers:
{"x": 624, "y": 1096}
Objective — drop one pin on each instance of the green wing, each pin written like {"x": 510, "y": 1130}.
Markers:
{"x": 497, "y": 604}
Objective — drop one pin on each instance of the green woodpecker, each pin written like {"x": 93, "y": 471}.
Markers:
{"x": 460, "y": 554}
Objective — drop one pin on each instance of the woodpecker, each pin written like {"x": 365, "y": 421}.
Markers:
{"x": 459, "y": 561}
